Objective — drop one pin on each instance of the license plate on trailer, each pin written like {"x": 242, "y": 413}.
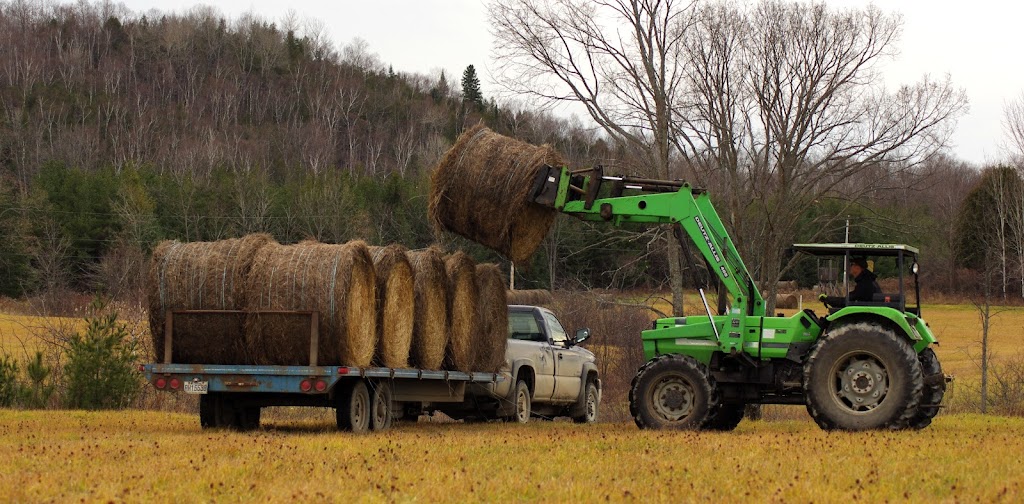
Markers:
{"x": 196, "y": 387}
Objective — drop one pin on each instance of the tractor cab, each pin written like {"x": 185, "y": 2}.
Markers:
{"x": 887, "y": 261}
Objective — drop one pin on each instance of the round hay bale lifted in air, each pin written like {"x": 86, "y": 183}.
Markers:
{"x": 463, "y": 321}
{"x": 489, "y": 346}
{"x": 396, "y": 306}
{"x": 430, "y": 288}
{"x": 481, "y": 190}
{"x": 202, "y": 276}
{"x": 336, "y": 281}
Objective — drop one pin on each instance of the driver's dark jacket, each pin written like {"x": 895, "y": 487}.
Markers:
{"x": 866, "y": 287}
{"x": 864, "y": 290}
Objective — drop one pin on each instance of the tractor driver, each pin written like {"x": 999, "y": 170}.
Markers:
{"x": 864, "y": 289}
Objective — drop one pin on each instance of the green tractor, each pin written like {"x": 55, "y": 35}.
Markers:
{"x": 865, "y": 364}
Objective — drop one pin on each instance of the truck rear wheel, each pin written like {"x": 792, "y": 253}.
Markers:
{"x": 672, "y": 392}
{"x": 381, "y": 415}
{"x": 934, "y": 389}
{"x": 860, "y": 377}
{"x": 207, "y": 411}
{"x": 521, "y": 403}
{"x": 353, "y": 409}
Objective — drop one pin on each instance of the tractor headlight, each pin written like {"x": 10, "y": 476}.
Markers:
{"x": 914, "y": 268}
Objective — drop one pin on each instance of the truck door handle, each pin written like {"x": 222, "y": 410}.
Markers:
{"x": 559, "y": 355}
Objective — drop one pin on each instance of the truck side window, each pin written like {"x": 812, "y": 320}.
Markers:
{"x": 522, "y": 326}
{"x": 558, "y": 336}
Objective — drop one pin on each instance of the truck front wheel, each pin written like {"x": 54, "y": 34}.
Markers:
{"x": 589, "y": 407}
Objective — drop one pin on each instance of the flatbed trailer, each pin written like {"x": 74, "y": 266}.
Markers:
{"x": 365, "y": 398}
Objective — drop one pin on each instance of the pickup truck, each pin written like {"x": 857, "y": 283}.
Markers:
{"x": 548, "y": 374}
{"x": 545, "y": 375}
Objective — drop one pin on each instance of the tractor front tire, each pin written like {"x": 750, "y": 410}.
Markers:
{"x": 861, "y": 377}
{"x": 672, "y": 392}
{"x": 934, "y": 389}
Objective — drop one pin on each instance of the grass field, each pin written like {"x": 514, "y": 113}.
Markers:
{"x": 162, "y": 456}
{"x": 155, "y": 456}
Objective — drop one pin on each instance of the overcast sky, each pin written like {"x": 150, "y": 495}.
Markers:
{"x": 977, "y": 43}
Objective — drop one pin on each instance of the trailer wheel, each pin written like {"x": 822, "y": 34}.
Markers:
{"x": 216, "y": 411}
{"x": 247, "y": 418}
{"x": 381, "y": 415}
{"x": 353, "y": 409}
{"x": 861, "y": 377}
{"x": 207, "y": 411}
{"x": 672, "y": 392}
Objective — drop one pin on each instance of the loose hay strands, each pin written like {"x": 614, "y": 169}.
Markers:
{"x": 396, "y": 307}
{"x": 536, "y": 297}
{"x": 481, "y": 188}
{"x": 337, "y": 281}
{"x": 463, "y": 322}
{"x": 202, "y": 276}
{"x": 430, "y": 286}
{"x": 489, "y": 349}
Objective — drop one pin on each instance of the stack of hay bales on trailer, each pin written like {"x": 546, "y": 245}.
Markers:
{"x": 374, "y": 306}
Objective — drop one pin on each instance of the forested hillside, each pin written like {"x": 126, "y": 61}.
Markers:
{"x": 119, "y": 129}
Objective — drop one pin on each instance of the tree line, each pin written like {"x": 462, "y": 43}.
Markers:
{"x": 119, "y": 129}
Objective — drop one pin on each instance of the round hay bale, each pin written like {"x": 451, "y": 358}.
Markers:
{"x": 396, "y": 306}
{"x": 536, "y": 297}
{"x": 489, "y": 349}
{"x": 336, "y": 281}
{"x": 202, "y": 276}
{"x": 786, "y": 301}
{"x": 463, "y": 321}
{"x": 430, "y": 289}
{"x": 481, "y": 190}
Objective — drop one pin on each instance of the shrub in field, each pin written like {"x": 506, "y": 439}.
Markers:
{"x": 8, "y": 381}
{"x": 37, "y": 393}
{"x": 100, "y": 369}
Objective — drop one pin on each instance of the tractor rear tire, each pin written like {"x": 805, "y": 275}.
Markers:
{"x": 860, "y": 377}
{"x": 934, "y": 389}
{"x": 672, "y": 392}
{"x": 726, "y": 417}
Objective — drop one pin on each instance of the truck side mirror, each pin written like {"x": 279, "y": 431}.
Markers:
{"x": 581, "y": 335}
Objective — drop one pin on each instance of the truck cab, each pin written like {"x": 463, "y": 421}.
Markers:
{"x": 551, "y": 375}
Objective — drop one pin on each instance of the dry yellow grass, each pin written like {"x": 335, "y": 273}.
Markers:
{"x": 163, "y": 457}
{"x": 20, "y": 334}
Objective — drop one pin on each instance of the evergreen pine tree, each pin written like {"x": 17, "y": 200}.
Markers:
{"x": 471, "y": 87}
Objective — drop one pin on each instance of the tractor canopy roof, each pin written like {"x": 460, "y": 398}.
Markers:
{"x": 856, "y": 249}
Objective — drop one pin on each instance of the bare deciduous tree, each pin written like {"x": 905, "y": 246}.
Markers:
{"x": 618, "y": 59}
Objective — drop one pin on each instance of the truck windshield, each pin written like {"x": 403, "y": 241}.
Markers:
{"x": 522, "y": 326}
